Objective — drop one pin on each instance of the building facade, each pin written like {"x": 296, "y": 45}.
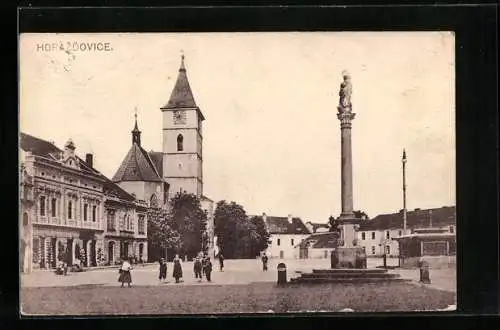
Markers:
{"x": 63, "y": 206}
{"x": 286, "y": 233}
{"x": 378, "y": 236}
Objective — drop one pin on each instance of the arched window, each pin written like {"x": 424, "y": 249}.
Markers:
{"x": 180, "y": 142}
{"x": 25, "y": 219}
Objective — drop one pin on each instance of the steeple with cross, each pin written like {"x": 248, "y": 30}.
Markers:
{"x": 182, "y": 138}
{"x": 136, "y": 134}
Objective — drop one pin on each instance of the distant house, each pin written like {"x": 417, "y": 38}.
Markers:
{"x": 378, "y": 235}
{"x": 285, "y": 234}
{"x": 316, "y": 246}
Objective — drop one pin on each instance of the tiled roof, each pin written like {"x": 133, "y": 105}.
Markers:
{"x": 414, "y": 219}
{"x": 48, "y": 150}
{"x": 320, "y": 241}
{"x": 37, "y": 146}
{"x": 182, "y": 96}
{"x": 280, "y": 225}
{"x": 157, "y": 158}
{"x": 111, "y": 188}
{"x": 137, "y": 166}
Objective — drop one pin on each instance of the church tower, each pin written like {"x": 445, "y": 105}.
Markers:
{"x": 182, "y": 139}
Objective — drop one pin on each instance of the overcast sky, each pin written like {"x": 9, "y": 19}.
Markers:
{"x": 271, "y": 136}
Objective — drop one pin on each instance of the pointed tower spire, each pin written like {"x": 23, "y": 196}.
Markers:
{"x": 182, "y": 96}
{"x": 136, "y": 134}
{"x": 182, "y": 68}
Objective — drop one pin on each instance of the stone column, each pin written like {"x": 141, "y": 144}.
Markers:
{"x": 346, "y": 116}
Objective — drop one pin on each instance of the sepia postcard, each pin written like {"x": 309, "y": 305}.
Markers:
{"x": 225, "y": 173}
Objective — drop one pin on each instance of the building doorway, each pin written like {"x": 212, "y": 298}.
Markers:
{"x": 111, "y": 256}
{"x": 22, "y": 257}
{"x": 53, "y": 252}
{"x": 93, "y": 254}
{"x": 141, "y": 250}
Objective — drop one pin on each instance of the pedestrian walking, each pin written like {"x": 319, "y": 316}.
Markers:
{"x": 177, "y": 268}
{"x": 163, "y": 270}
{"x": 264, "y": 262}
{"x": 207, "y": 268}
{"x": 221, "y": 261}
{"x": 197, "y": 268}
{"x": 125, "y": 274}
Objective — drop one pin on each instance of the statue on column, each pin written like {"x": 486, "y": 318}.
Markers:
{"x": 345, "y": 92}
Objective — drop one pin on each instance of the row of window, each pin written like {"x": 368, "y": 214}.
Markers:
{"x": 70, "y": 209}
{"x": 387, "y": 234}
{"x": 126, "y": 222}
{"x": 400, "y": 232}
{"x": 374, "y": 249}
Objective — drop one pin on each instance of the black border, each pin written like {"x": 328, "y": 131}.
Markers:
{"x": 475, "y": 29}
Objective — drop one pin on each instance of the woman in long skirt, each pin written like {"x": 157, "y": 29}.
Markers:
{"x": 163, "y": 270}
{"x": 125, "y": 275}
{"x": 177, "y": 268}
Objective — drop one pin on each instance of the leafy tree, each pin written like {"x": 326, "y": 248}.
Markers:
{"x": 361, "y": 215}
{"x": 238, "y": 236}
{"x": 190, "y": 221}
{"x": 262, "y": 235}
{"x": 161, "y": 235}
{"x": 226, "y": 219}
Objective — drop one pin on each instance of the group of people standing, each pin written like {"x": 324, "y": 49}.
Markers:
{"x": 202, "y": 266}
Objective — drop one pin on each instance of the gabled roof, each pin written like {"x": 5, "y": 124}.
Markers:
{"x": 281, "y": 225}
{"x": 414, "y": 219}
{"x": 137, "y": 166}
{"x": 182, "y": 96}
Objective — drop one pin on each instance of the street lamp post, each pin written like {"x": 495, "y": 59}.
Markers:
{"x": 403, "y": 160}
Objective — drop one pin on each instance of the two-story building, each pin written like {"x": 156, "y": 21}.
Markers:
{"x": 378, "y": 235}
{"x": 64, "y": 202}
{"x": 285, "y": 234}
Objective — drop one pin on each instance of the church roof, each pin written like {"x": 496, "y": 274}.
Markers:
{"x": 157, "y": 158}
{"x": 137, "y": 166}
{"x": 182, "y": 96}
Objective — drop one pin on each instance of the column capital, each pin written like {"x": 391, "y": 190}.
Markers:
{"x": 345, "y": 116}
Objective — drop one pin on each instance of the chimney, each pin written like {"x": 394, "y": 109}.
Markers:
{"x": 89, "y": 159}
{"x": 290, "y": 218}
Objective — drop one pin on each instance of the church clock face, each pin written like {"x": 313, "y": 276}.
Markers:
{"x": 179, "y": 117}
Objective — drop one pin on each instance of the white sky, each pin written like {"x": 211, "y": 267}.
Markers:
{"x": 271, "y": 136}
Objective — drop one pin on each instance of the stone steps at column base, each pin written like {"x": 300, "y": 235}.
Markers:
{"x": 366, "y": 271}
{"x": 349, "y": 275}
{"x": 323, "y": 280}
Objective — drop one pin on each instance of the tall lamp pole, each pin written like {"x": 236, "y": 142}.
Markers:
{"x": 403, "y": 160}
